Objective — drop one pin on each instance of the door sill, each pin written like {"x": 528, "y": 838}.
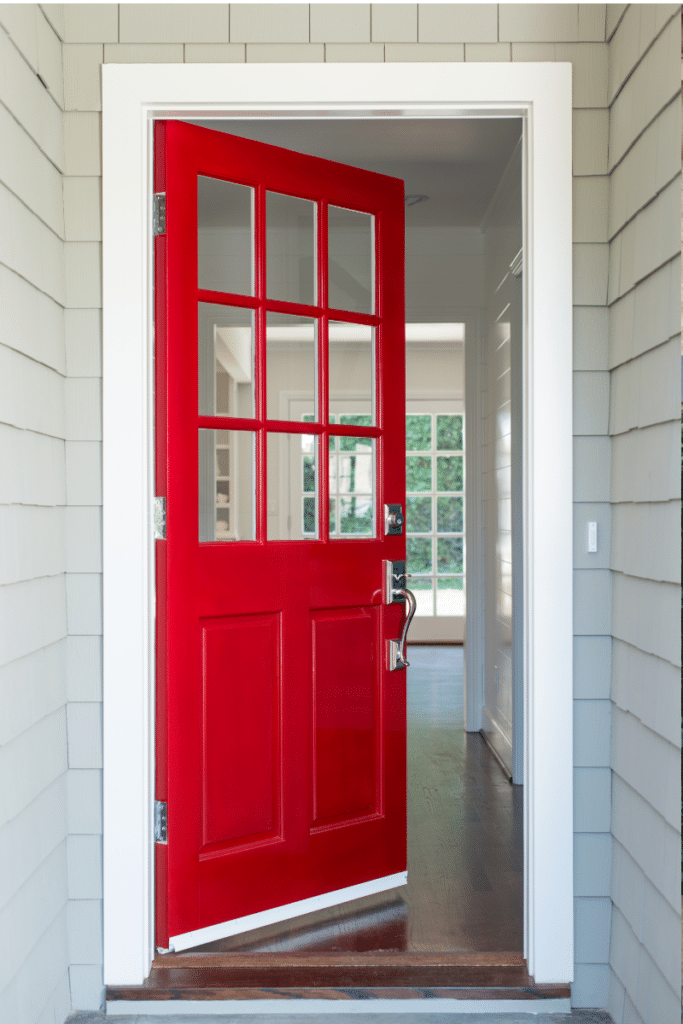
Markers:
{"x": 374, "y": 978}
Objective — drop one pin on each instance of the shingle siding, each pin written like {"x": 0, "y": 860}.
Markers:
{"x": 644, "y": 359}
{"x": 33, "y": 666}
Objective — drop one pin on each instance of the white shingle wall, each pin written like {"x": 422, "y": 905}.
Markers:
{"x": 644, "y": 362}
{"x": 34, "y": 976}
{"x": 49, "y": 470}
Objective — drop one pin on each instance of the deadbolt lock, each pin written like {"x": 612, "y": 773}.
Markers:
{"x": 393, "y": 519}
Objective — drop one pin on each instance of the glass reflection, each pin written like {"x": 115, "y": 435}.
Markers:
{"x": 290, "y": 248}
{"x": 225, "y": 247}
{"x": 292, "y": 469}
{"x": 351, "y": 363}
{"x": 352, "y": 486}
{"x": 291, "y": 361}
{"x": 351, "y": 250}
{"x": 225, "y": 360}
{"x": 226, "y": 485}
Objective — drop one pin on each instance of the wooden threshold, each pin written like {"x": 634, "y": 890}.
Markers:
{"x": 343, "y": 976}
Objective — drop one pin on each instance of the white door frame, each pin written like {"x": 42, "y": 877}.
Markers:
{"x": 132, "y": 96}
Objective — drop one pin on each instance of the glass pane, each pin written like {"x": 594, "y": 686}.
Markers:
{"x": 355, "y": 516}
{"x": 290, "y": 363}
{"x": 352, "y": 361}
{"x": 351, "y": 260}
{"x": 333, "y": 521}
{"x": 419, "y": 554}
{"x": 449, "y": 433}
{"x": 424, "y": 596}
{"x": 225, "y": 360}
{"x": 225, "y": 248}
{"x": 309, "y": 518}
{"x": 290, "y": 248}
{"x": 449, "y": 473}
{"x": 292, "y": 470}
{"x": 450, "y": 597}
{"x": 226, "y": 485}
{"x": 419, "y": 515}
{"x": 355, "y": 465}
{"x": 418, "y": 473}
{"x": 449, "y": 517}
{"x": 449, "y": 554}
{"x": 418, "y": 433}
{"x": 352, "y": 486}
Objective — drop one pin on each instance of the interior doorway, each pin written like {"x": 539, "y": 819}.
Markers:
{"x": 459, "y": 178}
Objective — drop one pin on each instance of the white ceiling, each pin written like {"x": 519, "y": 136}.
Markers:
{"x": 456, "y": 162}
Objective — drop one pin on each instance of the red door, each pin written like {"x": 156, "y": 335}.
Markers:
{"x": 280, "y": 731}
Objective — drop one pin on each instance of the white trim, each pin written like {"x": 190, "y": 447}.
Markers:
{"x": 245, "y": 924}
{"x": 132, "y": 95}
{"x": 301, "y": 1007}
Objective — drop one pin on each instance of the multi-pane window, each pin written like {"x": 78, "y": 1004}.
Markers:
{"x": 435, "y": 511}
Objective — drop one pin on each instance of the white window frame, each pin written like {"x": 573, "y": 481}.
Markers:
{"x": 132, "y": 96}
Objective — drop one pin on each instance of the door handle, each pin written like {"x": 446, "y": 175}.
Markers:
{"x": 396, "y": 592}
{"x": 396, "y": 650}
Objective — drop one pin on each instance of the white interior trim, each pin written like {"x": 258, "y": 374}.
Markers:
{"x": 246, "y": 924}
{"x": 132, "y": 96}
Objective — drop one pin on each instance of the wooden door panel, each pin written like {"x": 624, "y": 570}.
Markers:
{"x": 281, "y": 733}
{"x": 242, "y": 740}
{"x": 346, "y": 714}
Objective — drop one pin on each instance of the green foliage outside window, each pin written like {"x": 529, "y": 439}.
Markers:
{"x": 418, "y": 433}
{"x": 449, "y": 473}
{"x": 449, "y": 517}
{"x": 449, "y": 433}
{"x": 418, "y": 515}
{"x": 418, "y": 473}
{"x": 449, "y": 554}
{"x": 419, "y": 554}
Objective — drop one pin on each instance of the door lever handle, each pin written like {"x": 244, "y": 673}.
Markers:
{"x": 396, "y": 649}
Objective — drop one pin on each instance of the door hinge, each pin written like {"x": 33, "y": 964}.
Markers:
{"x": 160, "y": 821}
{"x": 159, "y": 213}
{"x": 160, "y": 518}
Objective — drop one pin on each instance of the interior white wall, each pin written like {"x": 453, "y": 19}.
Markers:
{"x": 36, "y": 530}
{"x": 643, "y": 360}
{"x": 500, "y": 355}
{"x": 31, "y": 119}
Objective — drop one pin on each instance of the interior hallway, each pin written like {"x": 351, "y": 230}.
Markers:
{"x": 465, "y": 851}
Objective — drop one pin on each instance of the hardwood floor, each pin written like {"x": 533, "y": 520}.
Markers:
{"x": 455, "y": 930}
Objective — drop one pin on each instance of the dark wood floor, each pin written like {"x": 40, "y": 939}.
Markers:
{"x": 455, "y": 930}
{"x": 464, "y": 891}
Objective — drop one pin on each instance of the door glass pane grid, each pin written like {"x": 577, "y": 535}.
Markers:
{"x": 291, "y": 362}
{"x": 435, "y": 512}
{"x": 291, "y": 234}
{"x": 351, "y": 260}
{"x": 351, "y": 362}
{"x": 293, "y": 475}
{"x": 225, "y": 236}
{"x": 225, "y": 360}
{"x": 226, "y": 485}
{"x": 352, "y": 484}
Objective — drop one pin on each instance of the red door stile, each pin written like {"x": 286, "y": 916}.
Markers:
{"x": 279, "y": 787}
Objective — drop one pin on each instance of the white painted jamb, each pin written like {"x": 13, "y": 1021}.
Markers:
{"x": 132, "y": 96}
